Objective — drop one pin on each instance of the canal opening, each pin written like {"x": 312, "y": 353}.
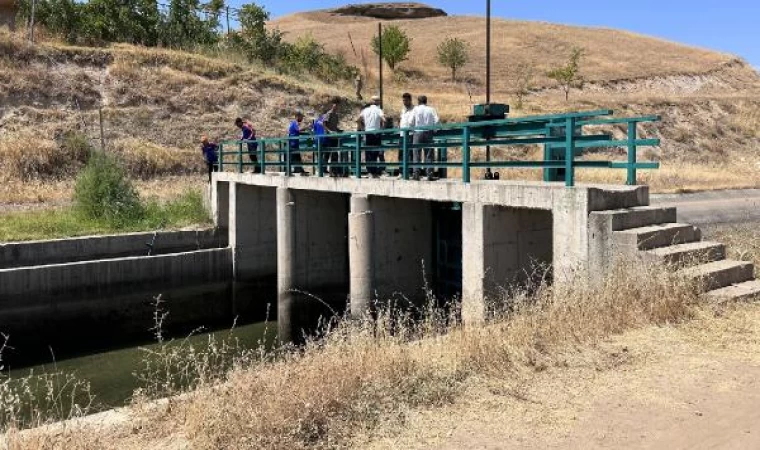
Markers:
{"x": 517, "y": 249}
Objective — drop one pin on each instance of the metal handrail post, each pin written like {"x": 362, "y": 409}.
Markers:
{"x": 466, "y": 154}
{"x": 287, "y": 160}
{"x": 358, "y": 156}
{"x": 240, "y": 157}
{"x": 570, "y": 152}
{"x": 631, "y": 179}
{"x": 221, "y": 157}
{"x": 263, "y": 156}
{"x": 405, "y": 154}
{"x": 320, "y": 167}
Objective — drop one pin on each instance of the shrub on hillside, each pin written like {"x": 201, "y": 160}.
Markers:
{"x": 104, "y": 192}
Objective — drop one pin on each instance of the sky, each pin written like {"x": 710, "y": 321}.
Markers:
{"x": 731, "y": 26}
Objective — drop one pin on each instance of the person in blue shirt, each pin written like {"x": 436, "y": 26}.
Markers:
{"x": 321, "y": 140}
{"x": 210, "y": 150}
{"x": 248, "y": 133}
{"x": 294, "y": 145}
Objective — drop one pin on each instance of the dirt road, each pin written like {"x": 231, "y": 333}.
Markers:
{"x": 694, "y": 387}
{"x": 713, "y": 207}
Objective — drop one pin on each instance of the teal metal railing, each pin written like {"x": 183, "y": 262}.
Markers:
{"x": 564, "y": 137}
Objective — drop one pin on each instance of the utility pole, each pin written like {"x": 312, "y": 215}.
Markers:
{"x": 102, "y": 134}
{"x": 228, "y": 20}
{"x": 31, "y": 22}
{"x": 380, "y": 53}
{"x": 488, "y": 51}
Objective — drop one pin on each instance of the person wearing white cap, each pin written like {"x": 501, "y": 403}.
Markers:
{"x": 373, "y": 119}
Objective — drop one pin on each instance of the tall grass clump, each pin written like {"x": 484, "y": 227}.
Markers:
{"x": 104, "y": 192}
{"x": 360, "y": 373}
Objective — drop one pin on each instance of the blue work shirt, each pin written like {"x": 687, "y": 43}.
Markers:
{"x": 248, "y": 135}
{"x": 319, "y": 129}
{"x": 294, "y": 130}
{"x": 209, "y": 152}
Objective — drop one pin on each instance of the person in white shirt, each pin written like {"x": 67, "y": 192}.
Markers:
{"x": 373, "y": 119}
{"x": 423, "y": 116}
{"x": 406, "y": 119}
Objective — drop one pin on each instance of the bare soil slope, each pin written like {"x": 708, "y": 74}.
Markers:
{"x": 156, "y": 104}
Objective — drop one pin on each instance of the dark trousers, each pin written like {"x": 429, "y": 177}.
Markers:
{"x": 212, "y": 167}
{"x": 331, "y": 158}
{"x": 423, "y": 155}
{"x": 373, "y": 156}
{"x": 296, "y": 161}
{"x": 255, "y": 160}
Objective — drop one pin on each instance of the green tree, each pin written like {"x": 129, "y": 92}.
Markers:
{"x": 185, "y": 28}
{"x": 254, "y": 39}
{"x": 524, "y": 77}
{"x": 396, "y": 45}
{"x": 453, "y": 53}
{"x": 568, "y": 76}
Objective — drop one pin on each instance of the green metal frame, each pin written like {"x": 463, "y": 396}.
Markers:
{"x": 562, "y": 136}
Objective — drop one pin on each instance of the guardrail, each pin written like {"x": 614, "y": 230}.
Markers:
{"x": 562, "y": 135}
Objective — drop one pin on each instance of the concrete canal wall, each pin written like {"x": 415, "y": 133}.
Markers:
{"x": 39, "y": 253}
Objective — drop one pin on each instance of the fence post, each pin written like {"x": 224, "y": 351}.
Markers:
{"x": 404, "y": 155}
{"x": 358, "y": 156}
{"x": 263, "y": 155}
{"x": 240, "y": 158}
{"x": 287, "y": 159}
{"x": 320, "y": 167}
{"x": 466, "y": 154}
{"x": 569, "y": 152}
{"x": 631, "y": 181}
{"x": 221, "y": 157}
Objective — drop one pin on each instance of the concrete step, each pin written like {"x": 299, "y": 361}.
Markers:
{"x": 749, "y": 290}
{"x": 656, "y": 236}
{"x": 719, "y": 274}
{"x": 641, "y": 216}
{"x": 688, "y": 254}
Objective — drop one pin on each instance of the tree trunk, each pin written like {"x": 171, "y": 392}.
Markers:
{"x": 453, "y": 73}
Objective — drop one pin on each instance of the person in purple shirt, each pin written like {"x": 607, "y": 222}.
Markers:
{"x": 210, "y": 150}
{"x": 248, "y": 133}
{"x": 294, "y": 145}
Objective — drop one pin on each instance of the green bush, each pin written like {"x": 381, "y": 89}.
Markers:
{"x": 103, "y": 192}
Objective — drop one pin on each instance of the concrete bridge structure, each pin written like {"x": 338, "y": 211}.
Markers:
{"x": 371, "y": 240}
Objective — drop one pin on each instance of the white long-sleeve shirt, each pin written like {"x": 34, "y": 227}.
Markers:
{"x": 424, "y": 116}
{"x": 406, "y": 118}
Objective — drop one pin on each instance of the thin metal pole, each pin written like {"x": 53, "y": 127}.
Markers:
{"x": 102, "y": 134}
{"x": 488, "y": 51}
{"x": 380, "y": 52}
{"x": 31, "y": 24}
{"x": 228, "y": 21}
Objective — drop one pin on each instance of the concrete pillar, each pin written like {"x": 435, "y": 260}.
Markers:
{"x": 220, "y": 203}
{"x": 473, "y": 263}
{"x": 252, "y": 232}
{"x": 286, "y": 265}
{"x": 361, "y": 232}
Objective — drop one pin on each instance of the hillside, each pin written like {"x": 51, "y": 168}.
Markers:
{"x": 156, "y": 104}
{"x": 710, "y": 102}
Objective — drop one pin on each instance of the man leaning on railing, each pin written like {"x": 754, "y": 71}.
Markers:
{"x": 423, "y": 116}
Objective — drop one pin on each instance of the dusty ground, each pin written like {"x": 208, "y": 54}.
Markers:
{"x": 695, "y": 387}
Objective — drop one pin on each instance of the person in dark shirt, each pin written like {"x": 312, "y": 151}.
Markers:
{"x": 332, "y": 126}
{"x": 294, "y": 145}
{"x": 210, "y": 150}
{"x": 248, "y": 133}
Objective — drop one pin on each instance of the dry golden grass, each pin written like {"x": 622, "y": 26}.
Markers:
{"x": 611, "y": 54}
